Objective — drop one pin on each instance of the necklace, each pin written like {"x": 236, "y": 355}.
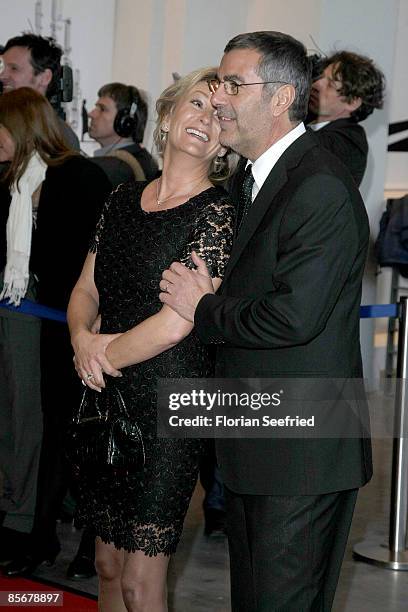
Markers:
{"x": 181, "y": 195}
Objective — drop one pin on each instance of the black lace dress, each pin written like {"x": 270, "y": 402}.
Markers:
{"x": 146, "y": 511}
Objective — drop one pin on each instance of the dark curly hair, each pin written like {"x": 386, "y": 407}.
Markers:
{"x": 359, "y": 78}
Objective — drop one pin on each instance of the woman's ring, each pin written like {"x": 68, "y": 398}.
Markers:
{"x": 167, "y": 288}
{"x": 89, "y": 376}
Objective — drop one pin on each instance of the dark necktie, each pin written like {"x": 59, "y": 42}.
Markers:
{"x": 245, "y": 197}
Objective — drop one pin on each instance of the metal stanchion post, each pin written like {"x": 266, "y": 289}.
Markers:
{"x": 396, "y": 555}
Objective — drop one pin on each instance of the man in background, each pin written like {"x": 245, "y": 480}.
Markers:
{"x": 346, "y": 91}
{"x": 33, "y": 61}
{"x": 118, "y": 122}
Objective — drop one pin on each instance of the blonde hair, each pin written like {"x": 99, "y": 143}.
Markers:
{"x": 221, "y": 168}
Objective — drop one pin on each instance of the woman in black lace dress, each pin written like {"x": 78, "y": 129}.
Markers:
{"x": 138, "y": 518}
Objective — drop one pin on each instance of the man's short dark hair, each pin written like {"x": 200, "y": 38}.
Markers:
{"x": 45, "y": 53}
{"x": 124, "y": 96}
{"x": 360, "y": 78}
{"x": 283, "y": 58}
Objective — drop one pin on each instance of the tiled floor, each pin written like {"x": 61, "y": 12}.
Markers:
{"x": 199, "y": 570}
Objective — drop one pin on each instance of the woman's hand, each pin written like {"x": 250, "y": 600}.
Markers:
{"x": 90, "y": 359}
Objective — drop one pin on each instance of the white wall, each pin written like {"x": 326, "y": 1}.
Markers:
{"x": 297, "y": 18}
{"x": 157, "y": 37}
{"x": 397, "y": 161}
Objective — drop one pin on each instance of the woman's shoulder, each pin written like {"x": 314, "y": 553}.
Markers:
{"x": 119, "y": 209}
{"x": 128, "y": 191}
{"x": 123, "y": 200}
{"x": 217, "y": 201}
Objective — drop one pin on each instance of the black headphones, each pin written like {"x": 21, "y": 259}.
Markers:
{"x": 126, "y": 118}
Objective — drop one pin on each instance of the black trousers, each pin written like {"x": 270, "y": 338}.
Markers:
{"x": 286, "y": 552}
{"x": 60, "y": 394}
{"x": 210, "y": 479}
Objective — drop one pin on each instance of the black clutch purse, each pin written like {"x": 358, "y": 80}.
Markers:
{"x": 102, "y": 436}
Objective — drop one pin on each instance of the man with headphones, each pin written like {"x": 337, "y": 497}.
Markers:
{"x": 118, "y": 123}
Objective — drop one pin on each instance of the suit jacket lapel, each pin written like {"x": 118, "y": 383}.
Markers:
{"x": 263, "y": 202}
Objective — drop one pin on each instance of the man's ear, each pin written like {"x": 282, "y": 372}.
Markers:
{"x": 354, "y": 104}
{"x": 44, "y": 78}
{"x": 282, "y": 99}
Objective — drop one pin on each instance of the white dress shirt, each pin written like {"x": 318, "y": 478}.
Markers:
{"x": 318, "y": 126}
{"x": 264, "y": 164}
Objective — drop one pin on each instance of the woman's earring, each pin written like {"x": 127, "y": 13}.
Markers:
{"x": 163, "y": 133}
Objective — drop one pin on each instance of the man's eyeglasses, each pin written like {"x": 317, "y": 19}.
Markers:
{"x": 232, "y": 88}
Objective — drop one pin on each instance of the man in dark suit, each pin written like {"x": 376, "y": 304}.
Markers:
{"x": 346, "y": 91}
{"x": 288, "y": 307}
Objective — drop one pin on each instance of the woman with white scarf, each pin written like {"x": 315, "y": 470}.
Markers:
{"x": 50, "y": 199}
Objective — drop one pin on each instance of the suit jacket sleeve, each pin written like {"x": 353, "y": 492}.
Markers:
{"x": 319, "y": 242}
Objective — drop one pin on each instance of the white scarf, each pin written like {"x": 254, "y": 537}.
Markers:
{"x": 19, "y": 228}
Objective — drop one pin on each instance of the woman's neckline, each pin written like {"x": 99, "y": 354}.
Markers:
{"x": 165, "y": 210}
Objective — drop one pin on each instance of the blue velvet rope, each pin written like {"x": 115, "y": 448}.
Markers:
{"x": 44, "y": 312}
{"x": 29, "y": 307}
{"x": 379, "y": 310}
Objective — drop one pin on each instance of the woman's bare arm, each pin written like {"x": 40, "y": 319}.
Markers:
{"x": 89, "y": 347}
{"x": 149, "y": 338}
